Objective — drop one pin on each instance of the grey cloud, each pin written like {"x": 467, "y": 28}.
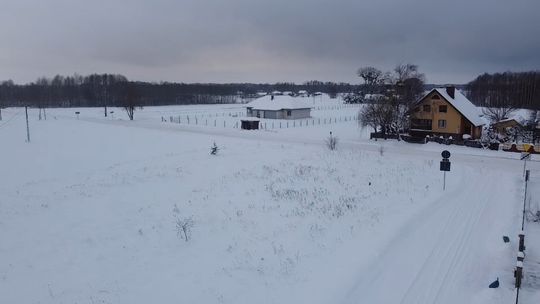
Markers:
{"x": 266, "y": 41}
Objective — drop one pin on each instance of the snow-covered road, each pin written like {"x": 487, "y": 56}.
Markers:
{"x": 440, "y": 254}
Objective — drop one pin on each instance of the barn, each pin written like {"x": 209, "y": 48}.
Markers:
{"x": 279, "y": 107}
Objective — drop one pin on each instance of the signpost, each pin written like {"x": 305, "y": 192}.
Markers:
{"x": 524, "y": 157}
{"x": 445, "y": 166}
{"x": 77, "y": 113}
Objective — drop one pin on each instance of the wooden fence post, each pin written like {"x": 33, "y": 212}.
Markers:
{"x": 518, "y": 273}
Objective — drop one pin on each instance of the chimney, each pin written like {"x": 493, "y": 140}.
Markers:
{"x": 451, "y": 90}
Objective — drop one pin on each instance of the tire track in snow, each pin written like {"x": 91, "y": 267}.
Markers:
{"x": 431, "y": 284}
{"x": 424, "y": 265}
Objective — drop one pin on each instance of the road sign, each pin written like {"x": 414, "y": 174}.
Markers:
{"x": 525, "y": 156}
{"x": 445, "y": 165}
{"x": 445, "y": 154}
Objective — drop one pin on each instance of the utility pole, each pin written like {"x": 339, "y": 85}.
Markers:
{"x": 27, "y": 126}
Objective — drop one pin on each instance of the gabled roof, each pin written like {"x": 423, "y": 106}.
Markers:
{"x": 280, "y": 102}
{"x": 507, "y": 120}
{"x": 462, "y": 105}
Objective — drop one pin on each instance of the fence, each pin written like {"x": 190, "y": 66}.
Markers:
{"x": 336, "y": 107}
{"x": 266, "y": 124}
{"x": 534, "y": 149}
{"x": 271, "y": 125}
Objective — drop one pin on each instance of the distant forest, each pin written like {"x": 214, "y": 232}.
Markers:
{"x": 99, "y": 90}
{"x": 507, "y": 89}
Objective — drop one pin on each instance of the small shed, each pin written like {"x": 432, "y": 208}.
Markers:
{"x": 249, "y": 124}
{"x": 502, "y": 125}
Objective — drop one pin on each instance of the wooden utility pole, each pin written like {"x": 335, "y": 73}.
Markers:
{"x": 27, "y": 126}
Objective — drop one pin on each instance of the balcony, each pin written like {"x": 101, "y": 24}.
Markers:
{"x": 421, "y": 124}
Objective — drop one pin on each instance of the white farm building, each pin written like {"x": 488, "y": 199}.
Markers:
{"x": 279, "y": 107}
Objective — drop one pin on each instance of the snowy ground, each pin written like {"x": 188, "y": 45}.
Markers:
{"x": 89, "y": 212}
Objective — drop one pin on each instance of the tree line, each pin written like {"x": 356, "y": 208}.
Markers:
{"x": 506, "y": 90}
{"x": 101, "y": 90}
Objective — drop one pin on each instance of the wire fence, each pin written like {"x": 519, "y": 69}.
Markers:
{"x": 266, "y": 124}
{"x": 231, "y": 119}
{"x": 337, "y": 107}
{"x": 242, "y": 113}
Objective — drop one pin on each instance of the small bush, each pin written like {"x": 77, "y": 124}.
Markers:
{"x": 214, "y": 149}
{"x": 183, "y": 228}
{"x": 331, "y": 142}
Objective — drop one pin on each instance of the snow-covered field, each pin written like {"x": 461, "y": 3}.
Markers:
{"x": 92, "y": 210}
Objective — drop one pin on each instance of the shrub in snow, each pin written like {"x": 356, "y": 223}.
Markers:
{"x": 183, "y": 228}
{"x": 214, "y": 149}
{"x": 331, "y": 142}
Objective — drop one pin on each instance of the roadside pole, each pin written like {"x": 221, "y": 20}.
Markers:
{"x": 27, "y": 125}
{"x": 444, "y": 181}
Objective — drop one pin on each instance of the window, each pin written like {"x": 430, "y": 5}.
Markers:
{"x": 417, "y": 109}
{"x": 442, "y": 123}
{"x": 289, "y": 112}
{"x": 435, "y": 97}
{"x": 427, "y": 108}
{"x": 443, "y": 108}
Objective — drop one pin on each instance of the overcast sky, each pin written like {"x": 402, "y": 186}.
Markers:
{"x": 266, "y": 41}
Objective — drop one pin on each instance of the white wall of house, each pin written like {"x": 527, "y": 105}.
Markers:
{"x": 298, "y": 114}
{"x": 279, "y": 114}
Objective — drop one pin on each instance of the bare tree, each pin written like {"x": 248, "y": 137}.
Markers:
{"x": 379, "y": 115}
{"x": 367, "y": 116}
{"x": 370, "y": 74}
{"x": 372, "y": 77}
{"x": 498, "y": 114}
{"x": 131, "y": 99}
